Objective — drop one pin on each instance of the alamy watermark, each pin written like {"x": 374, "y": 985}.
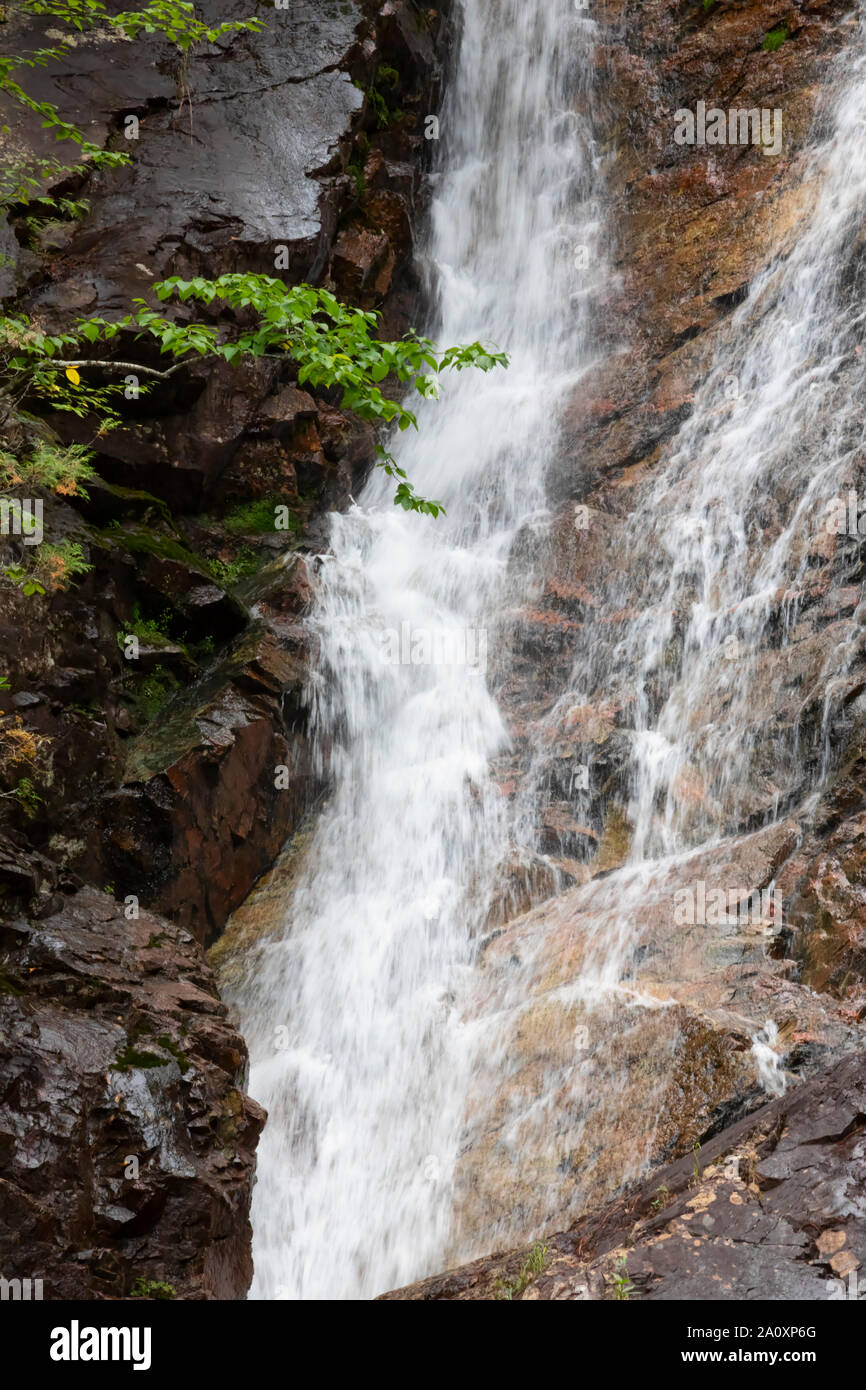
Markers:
{"x": 20, "y": 1290}
{"x": 23, "y": 519}
{"x": 845, "y": 516}
{"x": 739, "y": 126}
{"x": 419, "y": 646}
{"x": 719, "y": 907}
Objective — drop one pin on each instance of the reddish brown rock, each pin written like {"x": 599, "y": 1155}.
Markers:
{"x": 126, "y": 1140}
{"x": 359, "y": 258}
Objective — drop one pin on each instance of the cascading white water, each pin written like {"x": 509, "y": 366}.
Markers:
{"x": 776, "y": 434}
{"x": 717, "y": 553}
{"x": 353, "y": 1016}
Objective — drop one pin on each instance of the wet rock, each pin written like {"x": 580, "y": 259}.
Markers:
{"x": 126, "y": 1141}
{"x": 210, "y": 793}
{"x": 770, "y": 1209}
{"x": 598, "y": 1062}
{"x": 358, "y": 263}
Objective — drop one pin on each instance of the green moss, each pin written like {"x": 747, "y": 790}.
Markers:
{"x": 132, "y": 498}
{"x": 775, "y": 38}
{"x": 152, "y": 1288}
{"x": 140, "y": 541}
{"x": 179, "y": 1056}
{"x": 228, "y": 572}
{"x": 257, "y": 517}
{"x": 355, "y": 170}
{"x": 130, "y": 1057}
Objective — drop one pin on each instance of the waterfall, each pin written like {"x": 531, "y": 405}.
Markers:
{"x": 433, "y": 1092}
{"x": 734, "y": 519}
{"x": 731, "y": 714}
{"x": 355, "y": 1015}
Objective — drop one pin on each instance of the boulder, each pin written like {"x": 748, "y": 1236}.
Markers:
{"x": 126, "y": 1140}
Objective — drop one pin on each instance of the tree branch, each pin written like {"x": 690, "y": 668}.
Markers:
{"x": 130, "y": 366}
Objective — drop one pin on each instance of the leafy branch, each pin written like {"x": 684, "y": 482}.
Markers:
{"x": 330, "y": 345}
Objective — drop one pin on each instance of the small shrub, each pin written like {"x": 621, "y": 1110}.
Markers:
{"x": 59, "y": 565}
{"x": 55, "y": 468}
{"x": 622, "y": 1285}
{"x": 532, "y": 1266}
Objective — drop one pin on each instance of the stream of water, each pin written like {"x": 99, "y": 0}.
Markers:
{"x": 366, "y": 1096}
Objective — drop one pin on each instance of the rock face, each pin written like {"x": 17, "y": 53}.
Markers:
{"x": 770, "y": 1209}
{"x": 586, "y": 1083}
{"x": 694, "y": 228}
{"x": 297, "y": 151}
{"x": 127, "y": 1145}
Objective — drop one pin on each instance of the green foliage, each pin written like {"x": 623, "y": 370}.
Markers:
{"x": 532, "y": 1266}
{"x": 775, "y": 38}
{"x": 385, "y": 79}
{"x": 146, "y": 629}
{"x": 355, "y": 170}
{"x": 31, "y": 365}
{"x": 56, "y": 468}
{"x": 153, "y": 691}
{"x": 27, "y": 796}
{"x": 58, "y": 565}
{"x": 331, "y": 345}
{"x": 228, "y": 572}
{"x": 152, "y": 1288}
{"x": 51, "y": 566}
{"x": 405, "y": 495}
{"x": 173, "y": 18}
{"x": 22, "y": 577}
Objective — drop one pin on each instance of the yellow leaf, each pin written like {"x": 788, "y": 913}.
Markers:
{"x": 73, "y": 376}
